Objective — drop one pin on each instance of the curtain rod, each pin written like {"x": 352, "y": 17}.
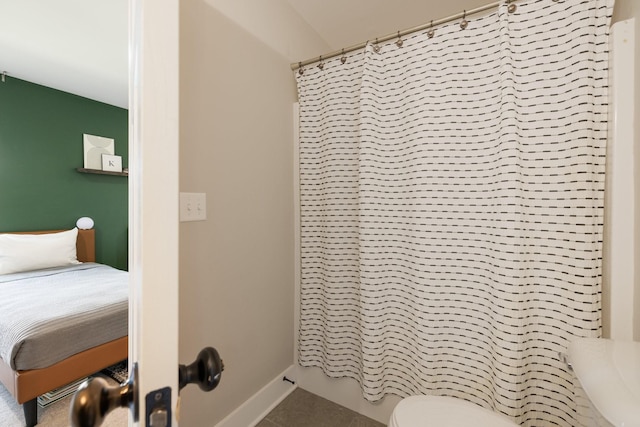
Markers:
{"x": 296, "y": 65}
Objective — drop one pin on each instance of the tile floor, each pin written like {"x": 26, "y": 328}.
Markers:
{"x": 304, "y": 409}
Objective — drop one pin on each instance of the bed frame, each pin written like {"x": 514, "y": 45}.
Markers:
{"x": 26, "y": 386}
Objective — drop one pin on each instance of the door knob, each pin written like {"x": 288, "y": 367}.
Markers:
{"x": 205, "y": 371}
{"x": 95, "y": 398}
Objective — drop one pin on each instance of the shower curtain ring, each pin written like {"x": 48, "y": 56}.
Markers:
{"x": 431, "y": 31}
{"x": 300, "y": 69}
{"x": 464, "y": 23}
{"x": 512, "y": 7}
{"x": 399, "y": 42}
{"x": 376, "y": 47}
{"x": 343, "y": 58}
{"x": 321, "y": 64}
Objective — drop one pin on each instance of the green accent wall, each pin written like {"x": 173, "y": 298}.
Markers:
{"x": 41, "y": 132}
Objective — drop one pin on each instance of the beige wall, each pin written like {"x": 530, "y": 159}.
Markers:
{"x": 237, "y": 267}
{"x": 276, "y": 24}
{"x": 626, "y": 9}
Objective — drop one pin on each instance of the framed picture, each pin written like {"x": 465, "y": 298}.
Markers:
{"x": 94, "y": 148}
{"x": 111, "y": 163}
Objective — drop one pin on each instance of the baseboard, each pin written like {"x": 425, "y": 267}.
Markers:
{"x": 252, "y": 411}
{"x": 345, "y": 392}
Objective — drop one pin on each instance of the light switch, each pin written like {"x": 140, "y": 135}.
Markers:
{"x": 193, "y": 207}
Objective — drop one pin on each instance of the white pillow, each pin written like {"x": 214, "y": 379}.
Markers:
{"x": 25, "y": 252}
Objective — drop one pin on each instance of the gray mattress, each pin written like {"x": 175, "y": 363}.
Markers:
{"x": 49, "y": 315}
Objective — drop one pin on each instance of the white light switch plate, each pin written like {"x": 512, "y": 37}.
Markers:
{"x": 193, "y": 207}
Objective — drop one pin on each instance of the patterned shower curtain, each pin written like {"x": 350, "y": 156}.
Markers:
{"x": 451, "y": 196}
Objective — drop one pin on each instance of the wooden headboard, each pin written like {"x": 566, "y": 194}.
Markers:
{"x": 85, "y": 245}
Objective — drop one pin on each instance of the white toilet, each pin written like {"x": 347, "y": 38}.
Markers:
{"x": 441, "y": 411}
{"x": 607, "y": 393}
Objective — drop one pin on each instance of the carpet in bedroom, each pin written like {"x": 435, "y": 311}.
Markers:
{"x": 54, "y": 415}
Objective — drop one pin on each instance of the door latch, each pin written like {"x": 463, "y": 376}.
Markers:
{"x": 158, "y": 404}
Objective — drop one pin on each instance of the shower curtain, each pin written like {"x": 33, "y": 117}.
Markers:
{"x": 451, "y": 203}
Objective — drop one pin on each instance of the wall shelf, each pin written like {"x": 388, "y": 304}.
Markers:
{"x": 101, "y": 172}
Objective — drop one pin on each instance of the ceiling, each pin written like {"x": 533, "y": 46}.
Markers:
{"x": 80, "y": 46}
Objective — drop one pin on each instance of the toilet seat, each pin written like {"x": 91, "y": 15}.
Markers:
{"x": 441, "y": 411}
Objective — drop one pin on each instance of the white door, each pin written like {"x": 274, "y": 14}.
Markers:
{"x": 154, "y": 224}
{"x": 153, "y": 200}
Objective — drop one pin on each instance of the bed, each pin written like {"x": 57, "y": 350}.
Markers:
{"x": 29, "y": 371}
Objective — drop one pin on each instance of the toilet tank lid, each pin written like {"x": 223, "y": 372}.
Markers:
{"x": 609, "y": 372}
